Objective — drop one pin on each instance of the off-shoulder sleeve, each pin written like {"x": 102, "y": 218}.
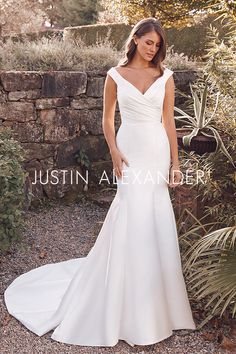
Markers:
{"x": 114, "y": 75}
{"x": 168, "y": 73}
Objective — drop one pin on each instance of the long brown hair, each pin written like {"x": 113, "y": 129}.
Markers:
{"x": 141, "y": 28}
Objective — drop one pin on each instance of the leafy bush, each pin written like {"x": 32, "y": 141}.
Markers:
{"x": 209, "y": 260}
{"x": 11, "y": 190}
{"x": 179, "y": 61}
{"x": 56, "y": 54}
{"x": 214, "y": 277}
{"x": 220, "y": 192}
{"x": 210, "y": 257}
{"x": 73, "y": 54}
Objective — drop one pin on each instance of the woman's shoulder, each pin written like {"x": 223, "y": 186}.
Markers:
{"x": 167, "y": 73}
{"x": 113, "y": 69}
{"x": 168, "y": 70}
{"x": 113, "y": 73}
{"x": 110, "y": 69}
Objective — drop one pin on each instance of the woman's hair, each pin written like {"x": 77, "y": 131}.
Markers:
{"x": 141, "y": 28}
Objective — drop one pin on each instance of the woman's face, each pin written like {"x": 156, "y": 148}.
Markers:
{"x": 148, "y": 44}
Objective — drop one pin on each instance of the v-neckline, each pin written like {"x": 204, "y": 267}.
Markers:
{"x": 142, "y": 94}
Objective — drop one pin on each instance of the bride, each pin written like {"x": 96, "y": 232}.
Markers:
{"x": 130, "y": 286}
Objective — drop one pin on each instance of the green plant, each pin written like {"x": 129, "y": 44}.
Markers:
{"x": 12, "y": 179}
{"x": 208, "y": 253}
{"x": 220, "y": 58}
{"x": 179, "y": 61}
{"x": 210, "y": 269}
{"x": 202, "y": 120}
{"x": 56, "y": 54}
{"x": 209, "y": 257}
{"x": 83, "y": 160}
{"x": 218, "y": 194}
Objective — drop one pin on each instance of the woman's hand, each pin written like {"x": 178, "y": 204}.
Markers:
{"x": 175, "y": 176}
{"x": 117, "y": 160}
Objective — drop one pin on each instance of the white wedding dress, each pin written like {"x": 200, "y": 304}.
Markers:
{"x": 130, "y": 286}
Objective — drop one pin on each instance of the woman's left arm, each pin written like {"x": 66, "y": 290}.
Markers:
{"x": 169, "y": 125}
{"x": 168, "y": 119}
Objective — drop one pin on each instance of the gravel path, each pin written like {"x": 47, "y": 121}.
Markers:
{"x": 58, "y": 233}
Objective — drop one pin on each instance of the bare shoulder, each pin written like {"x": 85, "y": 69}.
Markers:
{"x": 119, "y": 68}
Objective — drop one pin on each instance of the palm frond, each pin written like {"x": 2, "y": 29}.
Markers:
{"x": 211, "y": 269}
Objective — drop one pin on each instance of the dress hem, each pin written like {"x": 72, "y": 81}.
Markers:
{"x": 128, "y": 342}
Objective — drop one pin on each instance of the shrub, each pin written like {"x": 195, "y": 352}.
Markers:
{"x": 11, "y": 190}
{"x": 220, "y": 193}
{"x": 179, "y": 61}
{"x": 209, "y": 263}
{"x": 72, "y": 54}
{"x": 56, "y": 54}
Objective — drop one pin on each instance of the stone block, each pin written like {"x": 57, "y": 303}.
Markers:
{"x": 87, "y": 103}
{"x": 95, "y": 147}
{"x": 47, "y": 103}
{"x": 63, "y": 83}
{"x": 95, "y": 86}
{"x": 38, "y": 151}
{"x": 27, "y": 132}
{"x": 59, "y": 124}
{"x": 19, "y": 95}
{"x": 20, "y": 80}
{"x": 17, "y": 111}
{"x": 57, "y": 183}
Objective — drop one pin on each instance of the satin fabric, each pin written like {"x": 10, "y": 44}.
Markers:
{"x": 130, "y": 286}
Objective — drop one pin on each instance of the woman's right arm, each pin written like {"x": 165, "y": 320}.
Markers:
{"x": 108, "y": 124}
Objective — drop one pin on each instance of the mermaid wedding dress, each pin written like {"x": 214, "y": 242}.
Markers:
{"x": 130, "y": 286}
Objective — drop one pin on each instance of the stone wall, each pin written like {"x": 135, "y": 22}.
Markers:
{"x": 56, "y": 114}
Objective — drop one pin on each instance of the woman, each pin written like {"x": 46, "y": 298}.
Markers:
{"x": 130, "y": 286}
